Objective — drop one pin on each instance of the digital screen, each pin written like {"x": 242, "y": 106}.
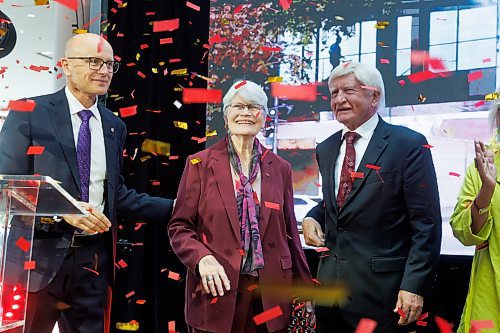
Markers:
{"x": 438, "y": 64}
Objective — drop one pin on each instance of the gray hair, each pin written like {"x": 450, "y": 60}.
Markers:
{"x": 250, "y": 91}
{"x": 367, "y": 75}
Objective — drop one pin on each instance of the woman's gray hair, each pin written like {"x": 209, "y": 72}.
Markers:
{"x": 249, "y": 91}
{"x": 367, "y": 75}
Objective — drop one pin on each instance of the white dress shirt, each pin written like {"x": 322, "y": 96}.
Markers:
{"x": 366, "y": 132}
{"x": 97, "y": 148}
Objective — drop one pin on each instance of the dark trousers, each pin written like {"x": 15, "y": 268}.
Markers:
{"x": 78, "y": 297}
{"x": 330, "y": 320}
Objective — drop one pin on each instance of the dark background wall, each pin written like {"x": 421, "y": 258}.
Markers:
{"x": 146, "y": 80}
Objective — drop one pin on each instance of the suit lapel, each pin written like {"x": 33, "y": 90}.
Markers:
{"x": 375, "y": 148}
{"x": 109, "y": 133}
{"x": 224, "y": 180}
{"x": 330, "y": 167}
{"x": 63, "y": 129}
{"x": 266, "y": 191}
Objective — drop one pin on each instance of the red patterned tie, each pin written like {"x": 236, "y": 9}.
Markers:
{"x": 345, "y": 184}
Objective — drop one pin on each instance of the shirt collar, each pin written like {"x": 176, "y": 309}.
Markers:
{"x": 366, "y": 129}
{"x": 75, "y": 106}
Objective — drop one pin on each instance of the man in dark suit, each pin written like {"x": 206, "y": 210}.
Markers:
{"x": 83, "y": 150}
{"x": 380, "y": 215}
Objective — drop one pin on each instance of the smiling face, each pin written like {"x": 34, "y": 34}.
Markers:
{"x": 244, "y": 121}
{"x": 351, "y": 104}
{"x": 83, "y": 82}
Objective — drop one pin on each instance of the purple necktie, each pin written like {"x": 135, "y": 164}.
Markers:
{"x": 83, "y": 153}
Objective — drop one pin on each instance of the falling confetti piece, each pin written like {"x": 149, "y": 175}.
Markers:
{"x": 306, "y": 92}
{"x": 122, "y": 263}
{"x": 421, "y": 98}
{"x": 181, "y": 71}
{"x": 272, "y": 205}
{"x": 28, "y": 265}
{"x": 71, "y": 4}
{"x": 427, "y": 146}
{"x": 130, "y": 294}
{"x": 473, "y": 76}
{"x": 366, "y": 325}
{"x": 284, "y": 4}
{"x": 174, "y": 276}
{"x": 454, "y": 174}
{"x": 177, "y": 104}
{"x": 35, "y": 150}
{"x": 214, "y": 300}
{"x": 322, "y": 249}
{"x": 268, "y": 315}
{"x": 22, "y": 105}
{"x": 385, "y": 61}
{"x": 478, "y": 104}
{"x": 166, "y": 25}
{"x": 192, "y": 6}
{"x": 357, "y": 174}
{"x": 195, "y": 160}
{"x": 128, "y": 111}
{"x": 91, "y": 270}
{"x": 492, "y": 96}
{"x": 171, "y": 326}
{"x": 200, "y": 95}
{"x": 443, "y": 325}
{"x": 181, "y": 124}
{"x": 273, "y": 79}
{"x": 241, "y": 84}
{"x": 23, "y": 244}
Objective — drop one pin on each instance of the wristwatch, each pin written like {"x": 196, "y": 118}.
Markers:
{"x": 482, "y": 211}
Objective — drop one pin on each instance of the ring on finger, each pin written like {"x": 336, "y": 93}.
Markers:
{"x": 209, "y": 278}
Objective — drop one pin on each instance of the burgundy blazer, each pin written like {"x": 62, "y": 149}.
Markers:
{"x": 205, "y": 221}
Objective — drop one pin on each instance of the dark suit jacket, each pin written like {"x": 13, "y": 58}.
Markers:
{"x": 49, "y": 125}
{"x": 387, "y": 236}
{"x": 205, "y": 221}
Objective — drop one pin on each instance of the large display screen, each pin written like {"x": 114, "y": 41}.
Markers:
{"x": 438, "y": 61}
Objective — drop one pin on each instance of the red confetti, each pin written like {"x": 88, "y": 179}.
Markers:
{"x": 264, "y": 155}
{"x": 174, "y": 276}
{"x": 454, "y": 174}
{"x": 478, "y": 325}
{"x": 140, "y": 301}
{"x": 473, "y": 76}
{"x": 486, "y": 60}
{"x": 144, "y": 46}
{"x": 29, "y": 265}
{"x": 427, "y": 146}
{"x": 128, "y": 111}
{"x": 478, "y": 104}
{"x": 23, "y": 244}
{"x": 272, "y": 205}
{"x": 122, "y": 263}
{"x": 22, "y": 105}
{"x": 200, "y": 95}
{"x": 171, "y": 326}
{"x": 168, "y": 40}
{"x": 317, "y": 184}
{"x": 306, "y": 92}
{"x": 130, "y": 294}
{"x": 284, "y": 4}
{"x": 322, "y": 249}
{"x": 268, "y": 315}
{"x": 357, "y": 174}
{"x": 270, "y": 49}
{"x": 238, "y": 9}
{"x": 138, "y": 225}
{"x": 255, "y": 198}
{"x": 71, "y": 4}
{"x": 166, "y": 25}
{"x": 402, "y": 82}
{"x": 241, "y": 84}
{"x": 252, "y": 287}
{"x": 443, "y": 325}
{"x": 204, "y": 238}
{"x": 384, "y": 61}
{"x": 366, "y": 325}
{"x": 371, "y": 166}
{"x": 192, "y": 6}
{"x": 437, "y": 64}
{"x": 141, "y": 74}
{"x": 35, "y": 150}
{"x": 421, "y": 323}
{"x": 423, "y": 316}
{"x": 214, "y": 300}
{"x": 91, "y": 270}
{"x": 421, "y": 76}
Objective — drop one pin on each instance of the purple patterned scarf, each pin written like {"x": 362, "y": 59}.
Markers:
{"x": 248, "y": 210}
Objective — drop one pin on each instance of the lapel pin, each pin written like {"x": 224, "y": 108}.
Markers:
{"x": 112, "y": 129}
{"x": 267, "y": 174}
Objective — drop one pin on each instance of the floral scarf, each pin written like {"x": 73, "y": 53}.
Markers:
{"x": 248, "y": 209}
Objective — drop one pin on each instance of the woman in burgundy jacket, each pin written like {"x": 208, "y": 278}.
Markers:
{"x": 234, "y": 226}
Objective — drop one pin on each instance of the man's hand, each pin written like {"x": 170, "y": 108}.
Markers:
{"x": 313, "y": 235}
{"x": 93, "y": 223}
{"x": 410, "y": 305}
{"x": 213, "y": 276}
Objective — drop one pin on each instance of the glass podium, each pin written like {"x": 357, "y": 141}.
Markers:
{"x": 22, "y": 199}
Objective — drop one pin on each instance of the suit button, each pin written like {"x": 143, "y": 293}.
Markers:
{"x": 340, "y": 230}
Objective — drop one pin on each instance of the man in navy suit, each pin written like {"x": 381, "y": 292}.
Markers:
{"x": 83, "y": 150}
{"x": 380, "y": 215}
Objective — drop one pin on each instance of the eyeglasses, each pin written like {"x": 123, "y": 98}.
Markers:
{"x": 251, "y": 107}
{"x": 96, "y": 64}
